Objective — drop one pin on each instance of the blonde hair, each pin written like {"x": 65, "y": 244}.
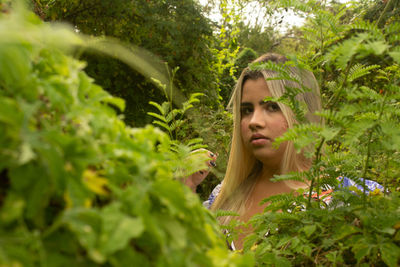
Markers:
{"x": 243, "y": 168}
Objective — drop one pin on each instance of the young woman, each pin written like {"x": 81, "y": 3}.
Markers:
{"x": 253, "y": 158}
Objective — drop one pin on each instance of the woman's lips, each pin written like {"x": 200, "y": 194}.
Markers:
{"x": 259, "y": 139}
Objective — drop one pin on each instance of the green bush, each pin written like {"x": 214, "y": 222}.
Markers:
{"x": 348, "y": 233}
{"x": 357, "y": 65}
{"x": 79, "y": 187}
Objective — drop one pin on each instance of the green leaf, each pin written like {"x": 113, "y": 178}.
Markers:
{"x": 9, "y": 111}
{"x": 159, "y": 107}
{"x": 155, "y": 115}
{"x": 346, "y": 230}
{"x": 86, "y": 225}
{"x": 390, "y": 254}
{"x": 26, "y": 153}
{"x": 116, "y": 101}
{"x": 396, "y": 56}
{"x": 309, "y": 229}
{"x": 361, "y": 250}
{"x": 12, "y": 209}
{"x": 329, "y": 133}
{"x": 275, "y": 260}
{"x": 117, "y": 229}
{"x": 376, "y": 48}
{"x": 163, "y": 125}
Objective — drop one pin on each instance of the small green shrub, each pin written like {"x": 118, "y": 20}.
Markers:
{"x": 348, "y": 233}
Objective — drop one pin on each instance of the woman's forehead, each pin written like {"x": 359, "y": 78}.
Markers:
{"x": 255, "y": 89}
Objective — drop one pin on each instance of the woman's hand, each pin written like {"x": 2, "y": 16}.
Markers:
{"x": 196, "y": 178}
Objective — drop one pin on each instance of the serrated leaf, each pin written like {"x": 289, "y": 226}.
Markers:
{"x": 160, "y": 108}
{"x": 309, "y": 230}
{"x": 158, "y": 116}
{"x": 172, "y": 115}
{"x": 376, "y": 48}
{"x": 163, "y": 125}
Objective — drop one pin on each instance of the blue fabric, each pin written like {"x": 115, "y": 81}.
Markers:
{"x": 370, "y": 185}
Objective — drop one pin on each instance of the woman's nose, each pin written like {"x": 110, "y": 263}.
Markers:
{"x": 257, "y": 119}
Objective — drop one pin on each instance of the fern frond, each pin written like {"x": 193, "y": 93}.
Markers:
{"x": 336, "y": 118}
{"x": 364, "y": 93}
{"x": 331, "y": 85}
{"x": 292, "y": 176}
{"x": 164, "y": 108}
{"x": 330, "y": 132}
{"x": 194, "y": 141}
{"x": 369, "y": 93}
{"x": 395, "y": 54}
{"x": 312, "y": 35}
{"x": 224, "y": 213}
{"x": 281, "y": 198}
{"x": 157, "y": 116}
{"x": 375, "y": 47}
{"x": 284, "y": 216}
{"x": 163, "y": 125}
{"x": 176, "y": 124}
{"x": 189, "y": 103}
{"x": 300, "y": 130}
{"x": 392, "y": 29}
{"x": 172, "y": 115}
{"x": 279, "y": 68}
{"x": 342, "y": 53}
{"x": 395, "y": 38}
{"x": 356, "y": 130}
{"x": 359, "y": 70}
{"x": 368, "y": 27}
{"x": 328, "y": 22}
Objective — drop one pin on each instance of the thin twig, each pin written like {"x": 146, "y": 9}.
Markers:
{"x": 383, "y": 12}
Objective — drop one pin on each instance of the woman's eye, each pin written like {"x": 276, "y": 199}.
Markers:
{"x": 273, "y": 107}
{"x": 245, "y": 111}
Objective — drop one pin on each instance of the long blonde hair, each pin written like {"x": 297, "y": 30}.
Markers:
{"x": 243, "y": 168}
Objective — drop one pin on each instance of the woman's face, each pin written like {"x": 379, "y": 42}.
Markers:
{"x": 261, "y": 122}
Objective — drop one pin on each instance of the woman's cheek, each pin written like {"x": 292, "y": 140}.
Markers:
{"x": 244, "y": 131}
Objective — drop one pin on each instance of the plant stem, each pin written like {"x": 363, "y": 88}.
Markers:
{"x": 365, "y": 169}
{"x": 366, "y": 164}
{"x": 383, "y": 12}
{"x": 317, "y": 160}
{"x": 334, "y": 98}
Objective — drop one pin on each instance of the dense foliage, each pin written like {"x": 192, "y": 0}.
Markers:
{"x": 174, "y": 30}
{"x": 78, "y": 186}
{"x": 357, "y": 65}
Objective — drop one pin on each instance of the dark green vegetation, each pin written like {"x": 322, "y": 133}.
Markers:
{"x": 80, "y": 186}
{"x": 174, "y": 30}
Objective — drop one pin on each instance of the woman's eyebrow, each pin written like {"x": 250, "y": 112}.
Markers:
{"x": 246, "y": 104}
